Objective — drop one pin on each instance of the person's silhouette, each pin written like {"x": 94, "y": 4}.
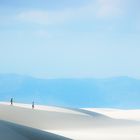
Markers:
{"x": 33, "y": 105}
{"x": 11, "y": 101}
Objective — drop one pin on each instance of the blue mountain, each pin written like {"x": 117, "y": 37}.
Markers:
{"x": 117, "y": 92}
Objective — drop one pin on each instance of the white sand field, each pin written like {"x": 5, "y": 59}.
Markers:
{"x": 77, "y": 124}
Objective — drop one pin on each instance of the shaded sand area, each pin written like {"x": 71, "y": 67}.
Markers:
{"x": 77, "y": 124}
{"x": 10, "y": 131}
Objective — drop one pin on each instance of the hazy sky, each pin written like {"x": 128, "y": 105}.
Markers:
{"x": 70, "y": 38}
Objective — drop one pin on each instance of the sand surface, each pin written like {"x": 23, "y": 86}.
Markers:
{"x": 11, "y": 131}
{"x": 77, "y": 124}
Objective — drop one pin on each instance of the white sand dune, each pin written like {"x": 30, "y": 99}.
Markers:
{"x": 118, "y": 113}
{"x": 10, "y": 131}
{"x": 77, "y": 124}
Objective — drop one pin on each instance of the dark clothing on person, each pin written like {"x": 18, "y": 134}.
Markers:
{"x": 33, "y": 105}
{"x": 11, "y": 101}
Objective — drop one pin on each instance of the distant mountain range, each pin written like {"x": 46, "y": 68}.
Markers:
{"x": 118, "y": 92}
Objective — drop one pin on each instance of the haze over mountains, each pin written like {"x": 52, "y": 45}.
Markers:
{"x": 118, "y": 92}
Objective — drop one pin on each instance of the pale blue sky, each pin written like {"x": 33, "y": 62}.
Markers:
{"x": 70, "y": 39}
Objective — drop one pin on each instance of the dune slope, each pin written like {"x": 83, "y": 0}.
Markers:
{"x": 77, "y": 124}
{"x": 11, "y": 131}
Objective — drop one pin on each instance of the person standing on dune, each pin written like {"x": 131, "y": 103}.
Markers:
{"x": 33, "y": 105}
{"x": 11, "y": 101}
